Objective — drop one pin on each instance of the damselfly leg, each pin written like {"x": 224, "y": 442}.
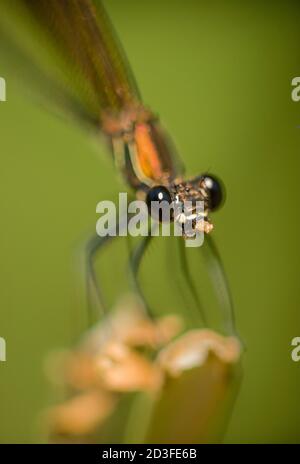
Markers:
{"x": 135, "y": 261}
{"x": 219, "y": 281}
{"x": 94, "y": 295}
{"x": 186, "y": 272}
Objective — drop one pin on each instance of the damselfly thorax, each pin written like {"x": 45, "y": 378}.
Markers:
{"x": 143, "y": 153}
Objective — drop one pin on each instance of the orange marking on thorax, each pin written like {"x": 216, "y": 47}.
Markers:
{"x": 147, "y": 154}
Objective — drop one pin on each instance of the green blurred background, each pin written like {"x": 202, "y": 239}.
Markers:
{"x": 219, "y": 75}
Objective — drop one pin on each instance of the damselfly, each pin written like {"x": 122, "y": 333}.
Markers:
{"x": 102, "y": 93}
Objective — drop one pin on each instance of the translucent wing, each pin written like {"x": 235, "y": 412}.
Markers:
{"x": 69, "y": 47}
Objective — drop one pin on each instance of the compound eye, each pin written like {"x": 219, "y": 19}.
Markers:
{"x": 158, "y": 194}
{"x": 215, "y": 190}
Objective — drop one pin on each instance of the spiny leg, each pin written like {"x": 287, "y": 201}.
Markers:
{"x": 189, "y": 278}
{"x": 220, "y": 283}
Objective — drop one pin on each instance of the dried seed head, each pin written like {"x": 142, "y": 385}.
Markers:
{"x": 193, "y": 348}
{"x": 81, "y": 414}
{"x": 123, "y": 370}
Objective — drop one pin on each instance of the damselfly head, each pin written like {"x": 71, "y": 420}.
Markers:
{"x": 186, "y": 202}
{"x": 199, "y": 196}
